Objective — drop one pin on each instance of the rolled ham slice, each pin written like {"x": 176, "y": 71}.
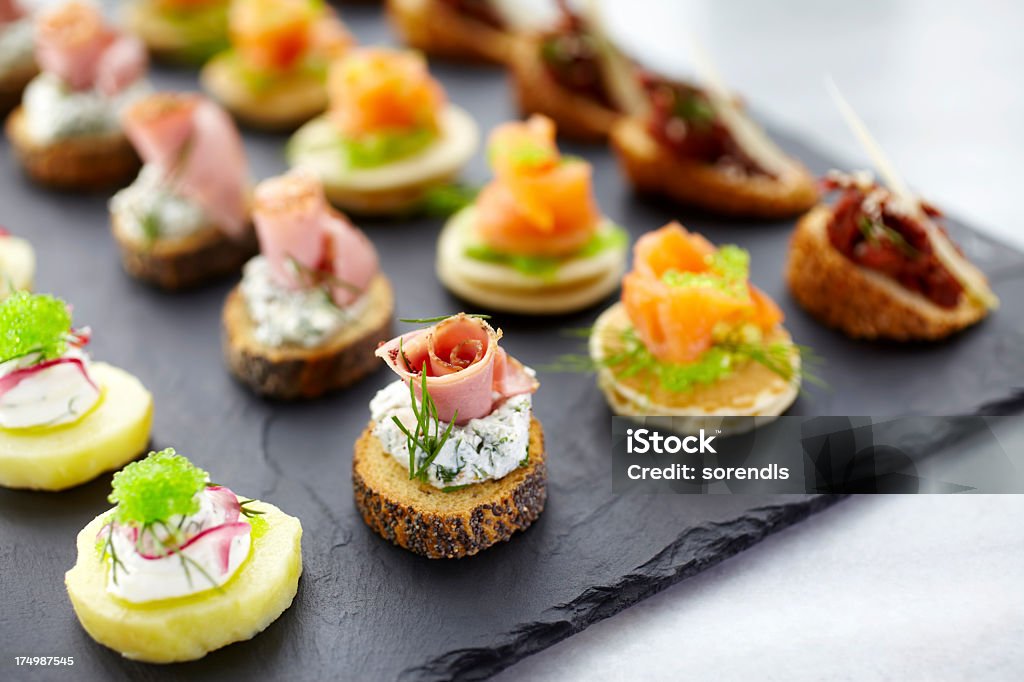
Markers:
{"x": 199, "y": 150}
{"x": 10, "y": 11}
{"x": 304, "y": 240}
{"x": 73, "y": 42}
{"x": 468, "y": 375}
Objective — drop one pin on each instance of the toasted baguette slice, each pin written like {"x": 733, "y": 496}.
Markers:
{"x": 17, "y": 265}
{"x": 440, "y": 525}
{"x": 182, "y": 262}
{"x": 578, "y": 117}
{"x": 438, "y": 30}
{"x": 114, "y": 433}
{"x": 87, "y": 162}
{"x": 752, "y": 390}
{"x": 166, "y": 40}
{"x": 653, "y": 169}
{"x": 187, "y": 628}
{"x": 578, "y": 284}
{"x": 282, "y": 106}
{"x": 861, "y": 302}
{"x": 293, "y": 372}
{"x": 396, "y": 187}
{"x": 13, "y": 84}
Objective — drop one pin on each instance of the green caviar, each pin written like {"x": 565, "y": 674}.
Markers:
{"x": 163, "y": 485}
{"x": 728, "y": 271}
{"x": 33, "y": 323}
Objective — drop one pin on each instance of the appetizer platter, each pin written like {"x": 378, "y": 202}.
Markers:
{"x": 367, "y": 603}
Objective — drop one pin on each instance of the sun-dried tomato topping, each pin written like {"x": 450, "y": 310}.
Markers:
{"x": 570, "y": 54}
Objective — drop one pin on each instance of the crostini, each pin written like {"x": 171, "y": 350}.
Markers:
{"x": 181, "y": 567}
{"x": 185, "y": 219}
{"x": 465, "y": 30}
{"x": 67, "y": 132}
{"x": 693, "y": 339}
{"x": 390, "y": 136}
{"x": 699, "y": 148}
{"x": 17, "y": 264}
{"x": 274, "y": 75}
{"x": 877, "y": 265}
{"x": 313, "y": 307}
{"x": 64, "y": 419}
{"x": 181, "y": 31}
{"x": 453, "y": 459}
{"x": 17, "y": 58}
{"x": 575, "y": 75}
{"x": 534, "y": 241}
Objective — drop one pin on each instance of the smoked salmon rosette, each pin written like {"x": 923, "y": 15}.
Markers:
{"x": 313, "y": 306}
{"x": 274, "y": 74}
{"x": 17, "y": 264}
{"x": 879, "y": 265}
{"x": 67, "y": 132}
{"x": 535, "y": 240}
{"x": 181, "y": 567}
{"x": 697, "y": 146}
{"x": 64, "y": 419}
{"x": 573, "y": 73}
{"x": 17, "y": 53}
{"x": 692, "y": 338}
{"x": 453, "y": 459}
{"x": 179, "y": 31}
{"x": 185, "y": 219}
{"x": 390, "y": 136}
{"x": 463, "y": 30}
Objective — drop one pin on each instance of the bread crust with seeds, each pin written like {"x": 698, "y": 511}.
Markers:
{"x": 858, "y": 301}
{"x": 86, "y": 162}
{"x": 577, "y": 116}
{"x": 440, "y": 31}
{"x": 185, "y": 262}
{"x": 653, "y": 169}
{"x": 440, "y": 525}
{"x": 294, "y": 372}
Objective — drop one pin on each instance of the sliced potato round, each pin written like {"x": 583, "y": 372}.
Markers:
{"x": 17, "y": 265}
{"x": 394, "y": 186}
{"x": 187, "y": 628}
{"x": 115, "y": 432}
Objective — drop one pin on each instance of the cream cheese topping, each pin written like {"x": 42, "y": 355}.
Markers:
{"x": 484, "y": 449}
{"x": 282, "y": 316}
{"x": 148, "y": 209}
{"x": 60, "y": 393}
{"x": 196, "y": 566}
{"x": 53, "y": 112}
{"x": 16, "y": 46}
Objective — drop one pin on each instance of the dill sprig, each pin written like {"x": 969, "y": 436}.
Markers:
{"x": 872, "y": 229}
{"x": 422, "y": 438}
{"x": 248, "y": 512}
{"x": 439, "y": 318}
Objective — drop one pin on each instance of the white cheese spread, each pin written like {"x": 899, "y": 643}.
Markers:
{"x": 61, "y": 392}
{"x": 53, "y": 112}
{"x": 16, "y": 47}
{"x": 484, "y": 449}
{"x": 148, "y": 209}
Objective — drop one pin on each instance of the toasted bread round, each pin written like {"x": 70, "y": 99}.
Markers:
{"x": 293, "y": 372}
{"x": 861, "y": 302}
{"x": 653, "y": 169}
{"x": 752, "y": 390}
{"x": 446, "y": 525}
{"x": 440, "y": 31}
{"x": 13, "y": 84}
{"x": 577, "y": 116}
{"x": 579, "y": 282}
{"x": 182, "y": 262}
{"x": 87, "y": 162}
{"x": 284, "y": 105}
{"x": 187, "y": 628}
{"x": 17, "y": 265}
{"x": 114, "y": 433}
{"x": 166, "y": 40}
{"x": 396, "y": 187}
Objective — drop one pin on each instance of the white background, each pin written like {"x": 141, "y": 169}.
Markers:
{"x": 884, "y": 587}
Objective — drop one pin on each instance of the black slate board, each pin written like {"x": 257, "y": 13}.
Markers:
{"x": 365, "y": 609}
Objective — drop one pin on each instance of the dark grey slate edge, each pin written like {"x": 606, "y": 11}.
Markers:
{"x": 694, "y": 551}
